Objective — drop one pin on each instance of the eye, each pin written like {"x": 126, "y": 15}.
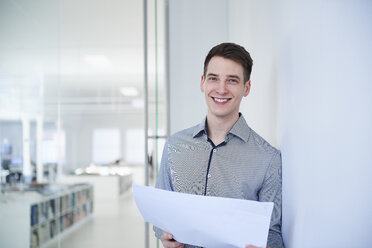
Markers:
{"x": 233, "y": 81}
{"x": 212, "y": 78}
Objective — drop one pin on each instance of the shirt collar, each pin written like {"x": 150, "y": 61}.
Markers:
{"x": 240, "y": 129}
{"x": 200, "y": 128}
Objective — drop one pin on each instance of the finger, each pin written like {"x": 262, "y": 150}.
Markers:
{"x": 176, "y": 244}
{"x": 172, "y": 244}
{"x": 166, "y": 236}
{"x": 179, "y": 245}
{"x": 169, "y": 242}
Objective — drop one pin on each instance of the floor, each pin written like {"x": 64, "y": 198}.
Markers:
{"x": 114, "y": 224}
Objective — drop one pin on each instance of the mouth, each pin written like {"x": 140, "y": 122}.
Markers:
{"x": 220, "y": 100}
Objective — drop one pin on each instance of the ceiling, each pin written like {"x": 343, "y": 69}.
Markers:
{"x": 76, "y": 53}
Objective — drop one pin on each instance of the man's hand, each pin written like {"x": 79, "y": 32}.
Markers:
{"x": 169, "y": 242}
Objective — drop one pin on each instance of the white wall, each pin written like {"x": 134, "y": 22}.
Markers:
{"x": 316, "y": 55}
{"x": 194, "y": 27}
{"x": 310, "y": 96}
{"x": 323, "y": 57}
{"x": 251, "y": 25}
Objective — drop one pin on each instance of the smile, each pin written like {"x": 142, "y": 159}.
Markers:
{"x": 220, "y": 100}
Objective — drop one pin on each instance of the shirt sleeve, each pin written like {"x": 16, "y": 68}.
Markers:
{"x": 271, "y": 191}
{"x": 164, "y": 181}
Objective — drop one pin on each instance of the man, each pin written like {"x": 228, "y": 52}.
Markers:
{"x": 223, "y": 156}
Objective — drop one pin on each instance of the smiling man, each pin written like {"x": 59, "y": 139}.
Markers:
{"x": 223, "y": 156}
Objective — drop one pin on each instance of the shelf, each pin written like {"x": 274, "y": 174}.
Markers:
{"x": 35, "y": 221}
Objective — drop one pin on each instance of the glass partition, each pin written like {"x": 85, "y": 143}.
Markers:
{"x": 29, "y": 59}
{"x": 72, "y": 98}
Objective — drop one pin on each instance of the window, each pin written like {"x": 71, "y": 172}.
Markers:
{"x": 106, "y": 145}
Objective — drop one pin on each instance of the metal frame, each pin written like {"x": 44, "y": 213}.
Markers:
{"x": 146, "y": 93}
{"x": 145, "y": 72}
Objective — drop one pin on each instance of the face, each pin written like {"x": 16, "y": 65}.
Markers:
{"x": 224, "y": 87}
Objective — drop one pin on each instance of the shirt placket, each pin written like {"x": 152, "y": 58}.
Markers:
{"x": 211, "y": 154}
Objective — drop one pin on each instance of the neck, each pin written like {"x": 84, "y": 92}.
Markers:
{"x": 219, "y": 127}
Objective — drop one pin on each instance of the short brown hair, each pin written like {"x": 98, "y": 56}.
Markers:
{"x": 234, "y": 52}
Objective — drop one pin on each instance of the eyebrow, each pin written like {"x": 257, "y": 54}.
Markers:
{"x": 212, "y": 74}
{"x": 234, "y": 76}
{"x": 229, "y": 76}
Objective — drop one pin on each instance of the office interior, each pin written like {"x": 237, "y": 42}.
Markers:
{"x": 81, "y": 81}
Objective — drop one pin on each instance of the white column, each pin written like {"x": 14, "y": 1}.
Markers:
{"x": 39, "y": 149}
{"x": 27, "y": 172}
{"x": 59, "y": 138}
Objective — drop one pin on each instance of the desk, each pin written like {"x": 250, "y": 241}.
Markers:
{"x": 105, "y": 187}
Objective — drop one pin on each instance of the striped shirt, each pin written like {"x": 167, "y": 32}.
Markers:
{"x": 244, "y": 166}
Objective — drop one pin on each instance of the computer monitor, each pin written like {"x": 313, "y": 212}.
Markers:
{"x": 5, "y": 164}
{"x": 5, "y": 149}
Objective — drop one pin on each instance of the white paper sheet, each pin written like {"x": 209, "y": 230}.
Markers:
{"x": 211, "y": 222}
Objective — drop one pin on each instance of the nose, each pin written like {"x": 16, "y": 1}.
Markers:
{"x": 221, "y": 88}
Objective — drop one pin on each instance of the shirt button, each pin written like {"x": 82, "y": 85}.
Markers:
{"x": 215, "y": 150}
{"x": 209, "y": 175}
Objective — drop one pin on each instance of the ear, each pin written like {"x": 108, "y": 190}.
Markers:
{"x": 247, "y": 88}
{"x": 202, "y": 83}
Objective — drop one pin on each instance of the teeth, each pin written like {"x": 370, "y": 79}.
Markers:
{"x": 220, "y": 100}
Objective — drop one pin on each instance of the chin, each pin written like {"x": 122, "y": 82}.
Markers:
{"x": 220, "y": 114}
